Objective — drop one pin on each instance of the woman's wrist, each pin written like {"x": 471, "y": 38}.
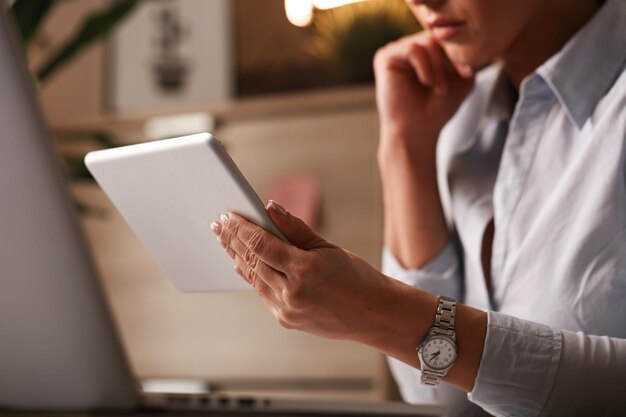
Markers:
{"x": 399, "y": 321}
{"x": 402, "y": 320}
{"x": 416, "y": 149}
{"x": 471, "y": 331}
{"x": 412, "y": 133}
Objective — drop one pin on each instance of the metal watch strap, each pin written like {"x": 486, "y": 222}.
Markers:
{"x": 444, "y": 319}
{"x": 444, "y": 325}
{"x": 431, "y": 378}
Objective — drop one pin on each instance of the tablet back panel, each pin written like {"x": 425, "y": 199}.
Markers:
{"x": 169, "y": 192}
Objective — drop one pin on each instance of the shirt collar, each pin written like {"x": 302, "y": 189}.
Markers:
{"x": 588, "y": 65}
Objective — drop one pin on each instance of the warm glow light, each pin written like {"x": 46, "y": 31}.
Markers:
{"x": 299, "y": 12}
{"x": 329, "y": 4}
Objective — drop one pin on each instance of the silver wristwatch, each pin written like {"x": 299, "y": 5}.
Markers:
{"x": 437, "y": 352}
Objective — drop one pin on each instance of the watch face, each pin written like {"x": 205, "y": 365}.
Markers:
{"x": 438, "y": 353}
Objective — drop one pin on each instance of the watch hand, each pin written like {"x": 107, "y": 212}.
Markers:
{"x": 435, "y": 354}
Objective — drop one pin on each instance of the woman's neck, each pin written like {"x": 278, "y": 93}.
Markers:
{"x": 545, "y": 35}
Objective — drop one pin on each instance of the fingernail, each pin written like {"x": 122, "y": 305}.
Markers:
{"x": 224, "y": 218}
{"x": 280, "y": 209}
{"x": 216, "y": 227}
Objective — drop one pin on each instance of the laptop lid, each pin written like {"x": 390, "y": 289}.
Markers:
{"x": 58, "y": 345}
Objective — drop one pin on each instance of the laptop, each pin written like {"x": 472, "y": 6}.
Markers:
{"x": 59, "y": 350}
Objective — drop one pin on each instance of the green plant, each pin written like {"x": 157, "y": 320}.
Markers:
{"x": 350, "y": 35}
{"x": 30, "y": 14}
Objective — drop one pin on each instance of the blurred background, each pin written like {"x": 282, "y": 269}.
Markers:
{"x": 287, "y": 85}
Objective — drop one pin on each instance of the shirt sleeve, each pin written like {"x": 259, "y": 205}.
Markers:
{"x": 442, "y": 275}
{"x": 530, "y": 369}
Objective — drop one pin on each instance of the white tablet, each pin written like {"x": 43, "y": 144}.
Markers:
{"x": 169, "y": 192}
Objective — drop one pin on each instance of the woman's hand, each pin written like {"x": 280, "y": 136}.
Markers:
{"x": 418, "y": 89}
{"x": 317, "y": 287}
{"x": 311, "y": 285}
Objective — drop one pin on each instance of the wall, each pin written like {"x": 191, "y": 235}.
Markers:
{"x": 76, "y": 92}
{"x": 232, "y": 336}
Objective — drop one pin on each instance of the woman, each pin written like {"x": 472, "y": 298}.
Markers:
{"x": 525, "y": 161}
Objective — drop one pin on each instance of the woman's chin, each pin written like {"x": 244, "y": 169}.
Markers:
{"x": 468, "y": 56}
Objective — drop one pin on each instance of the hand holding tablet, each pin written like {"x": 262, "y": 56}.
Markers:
{"x": 169, "y": 192}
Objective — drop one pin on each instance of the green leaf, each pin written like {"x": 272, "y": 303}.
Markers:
{"x": 29, "y": 14}
{"x": 93, "y": 28}
{"x": 350, "y": 35}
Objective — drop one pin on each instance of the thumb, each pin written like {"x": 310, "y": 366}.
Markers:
{"x": 294, "y": 229}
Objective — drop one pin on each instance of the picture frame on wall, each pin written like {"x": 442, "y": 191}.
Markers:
{"x": 171, "y": 53}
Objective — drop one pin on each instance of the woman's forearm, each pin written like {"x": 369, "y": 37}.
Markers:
{"x": 417, "y": 93}
{"x": 406, "y": 315}
{"x": 414, "y": 221}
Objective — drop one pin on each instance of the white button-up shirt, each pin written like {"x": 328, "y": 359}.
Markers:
{"x": 550, "y": 170}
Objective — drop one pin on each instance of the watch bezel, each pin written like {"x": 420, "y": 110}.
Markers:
{"x": 428, "y": 340}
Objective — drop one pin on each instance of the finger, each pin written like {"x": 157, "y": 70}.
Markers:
{"x": 220, "y": 234}
{"x": 240, "y": 253}
{"x": 271, "y": 301}
{"x": 256, "y": 240}
{"x": 294, "y": 229}
{"x": 254, "y": 268}
{"x": 261, "y": 278}
{"x": 270, "y": 298}
{"x": 441, "y": 68}
{"x": 437, "y": 55}
{"x": 420, "y": 60}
